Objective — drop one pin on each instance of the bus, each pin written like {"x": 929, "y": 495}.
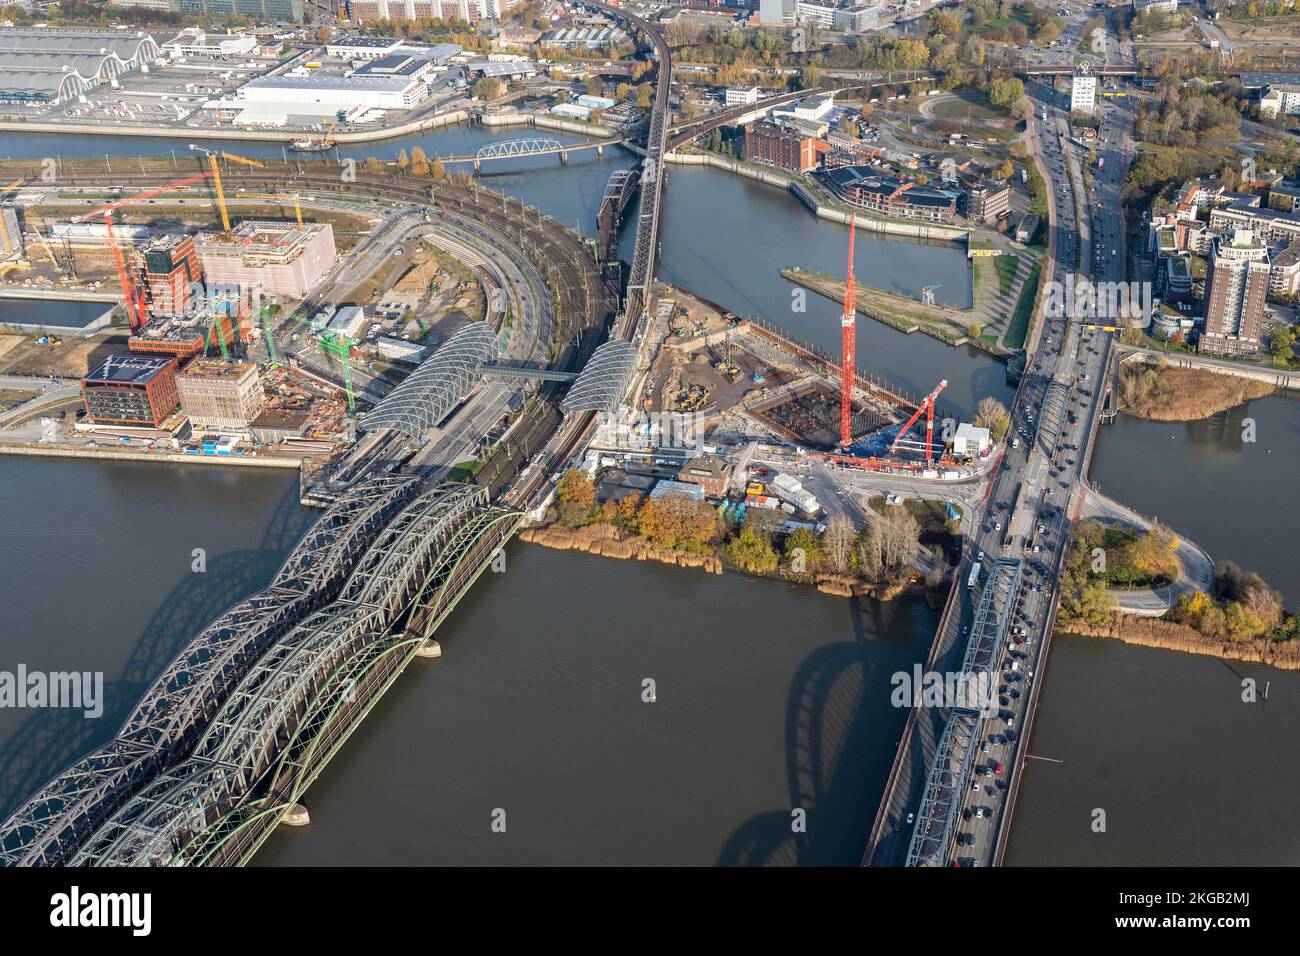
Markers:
{"x": 974, "y": 576}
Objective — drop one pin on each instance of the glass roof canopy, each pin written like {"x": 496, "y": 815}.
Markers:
{"x": 605, "y": 378}
{"x": 435, "y": 388}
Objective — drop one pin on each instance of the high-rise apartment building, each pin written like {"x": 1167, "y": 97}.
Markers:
{"x": 1235, "y": 295}
{"x": 1083, "y": 89}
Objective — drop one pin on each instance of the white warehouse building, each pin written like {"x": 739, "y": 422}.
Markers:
{"x": 326, "y": 94}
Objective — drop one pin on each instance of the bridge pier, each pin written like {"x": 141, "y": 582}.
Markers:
{"x": 296, "y": 816}
{"x": 477, "y": 167}
{"x": 564, "y": 157}
{"x": 429, "y": 648}
{"x": 600, "y": 150}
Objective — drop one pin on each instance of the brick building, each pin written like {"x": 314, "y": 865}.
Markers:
{"x": 128, "y": 389}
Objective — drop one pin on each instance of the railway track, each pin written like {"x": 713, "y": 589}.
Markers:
{"x": 568, "y": 262}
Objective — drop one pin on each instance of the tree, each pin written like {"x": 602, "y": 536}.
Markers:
{"x": 801, "y": 543}
{"x": 403, "y": 161}
{"x": 1005, "y": 91}
{"x": 838, "y": 543}
{"x": 488, "y": 88}
{"x": 576, "y": 486}
{"x": 419, "y": 162}
{"x": 594, "y": 86}
{"x": 993, "y": 415}
{"x": 374, "y": 164}
{"x": 751, "y": 552}
{"x": 678, "y": 523}
{"x": 644, "y": 96}
{"x": 1280, "y": 342}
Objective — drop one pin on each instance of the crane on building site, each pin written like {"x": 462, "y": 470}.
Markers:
{"x": 926, "y": 406}
{"x": 848, "y": 345}
{"x": 338, "y": 344}
{"x": 133, "y": 297}
{"x": 214, "y": 170}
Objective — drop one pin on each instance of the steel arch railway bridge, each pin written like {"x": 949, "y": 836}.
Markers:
{"x": 249, "y": 713}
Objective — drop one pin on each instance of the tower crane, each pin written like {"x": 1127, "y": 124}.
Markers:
{"x": 338, "y": 344}
{"x": 133, "y": 297}
{"x": 293, "y": 197}
{"x": 848, "y": 345}
{"x": 214, "y": 170}
{"x": 927, "y": 406}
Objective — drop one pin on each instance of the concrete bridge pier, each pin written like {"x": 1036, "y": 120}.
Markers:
{"x": 600, "y": 150}
{"x": 430, "y": 648}
{"x": 564, "y": 157}
{"x": 296, "y": 816}
{"x": 477, "y": 167}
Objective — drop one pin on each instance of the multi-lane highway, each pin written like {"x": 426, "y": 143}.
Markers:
{"x": 951, "y": 793}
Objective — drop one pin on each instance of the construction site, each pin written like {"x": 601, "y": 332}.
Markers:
{"x": 217, "y": 294}
{"x": 744, "y": 380}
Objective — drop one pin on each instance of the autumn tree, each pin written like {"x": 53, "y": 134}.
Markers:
{"x": 838, "y": 543}
{"x": 993, "y": 415}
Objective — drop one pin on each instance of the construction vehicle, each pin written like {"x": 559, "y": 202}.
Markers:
{"x": 926, "y": 406}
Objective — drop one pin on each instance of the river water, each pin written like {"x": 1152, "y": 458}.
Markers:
{"x": 769, "y": 697}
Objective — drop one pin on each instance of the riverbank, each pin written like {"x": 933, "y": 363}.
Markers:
{"x": 907, "y": 314}
{"x": 157, "y": 457}
{"x": 1171, "y": 636}
{"x": 1166, "y": 393}
{"x": 775, "y": 177}
{"x": 611, "y": 541}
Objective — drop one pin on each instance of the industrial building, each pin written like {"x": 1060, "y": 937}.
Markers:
{"x": 218, "y": 394}
{"x": 1234, "y": 296}
{"x": 590, "y": 38}
{"x": 131, "y": 389}
{"x": 279, "y": 259}
{"x": 55, "y": 65}
{"x": 710, "y": 472}
{"x": 467, "y": 10}
{"x": 167, "y": 265}
{"x": 272, "y": 100}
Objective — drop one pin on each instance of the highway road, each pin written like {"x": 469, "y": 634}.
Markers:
{"x": 1026, "y": 517}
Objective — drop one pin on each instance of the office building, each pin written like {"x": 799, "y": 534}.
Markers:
{"x": 134, "y": 390}
{"x": 892, "y": 196}
{"x": 1083, "y": 89}
{"x": 742, "y": 95}
{"x": 274, "y": 258}
{"x": 1235, "y": 295}
{"x": 469, "y": 11}
{"x": 11, "y": 232}
{"x": 217, "y": 394}
{"x": 167, "y": 266}
{"x": 988, "y": 200}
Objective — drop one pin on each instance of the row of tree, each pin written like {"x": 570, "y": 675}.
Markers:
{"x": 881, "y": 553}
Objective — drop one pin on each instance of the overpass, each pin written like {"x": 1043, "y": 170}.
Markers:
{"x": 1107, "y": 69}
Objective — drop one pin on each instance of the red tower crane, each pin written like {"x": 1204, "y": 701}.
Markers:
{"x": 132, "y": 296}
{"x": 848, "y": 345}
{"x": 927, "y": 406}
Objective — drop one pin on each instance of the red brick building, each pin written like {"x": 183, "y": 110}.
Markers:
{"x": 779, "y": 146}
{"x": 130, "y": 389}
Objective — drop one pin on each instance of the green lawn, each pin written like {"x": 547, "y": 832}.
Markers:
{"x": 1019, "y": 330}
{"x": 969, "y": 104}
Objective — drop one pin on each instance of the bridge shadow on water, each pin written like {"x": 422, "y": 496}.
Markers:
{"x": 52, "y": 738}
{"x": 840, "y": 736}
